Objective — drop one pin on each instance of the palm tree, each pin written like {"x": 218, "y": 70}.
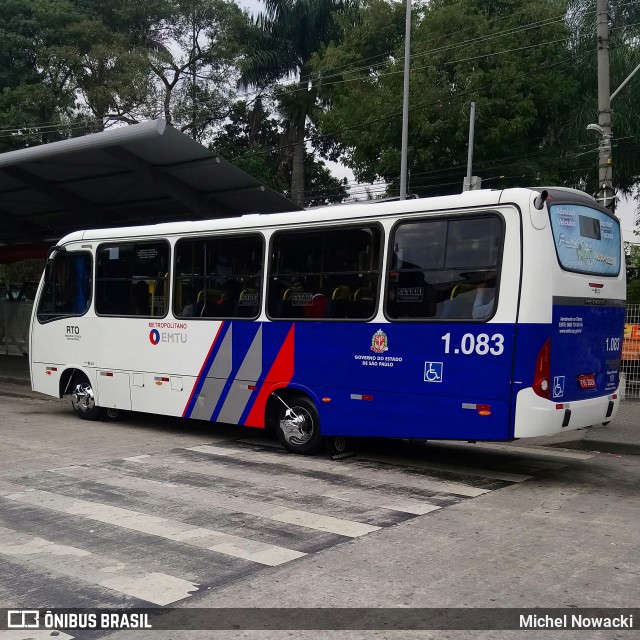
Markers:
{"x": 289, "y": 33}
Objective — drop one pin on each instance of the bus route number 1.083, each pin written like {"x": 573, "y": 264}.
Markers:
{"x": 481, "y": 344}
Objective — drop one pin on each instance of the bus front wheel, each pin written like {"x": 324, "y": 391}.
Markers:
{"x": 298, "y": 426}
{"x": 83, "y": 400}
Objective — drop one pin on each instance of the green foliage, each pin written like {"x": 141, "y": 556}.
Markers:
{"x": 632, "y": 257}
{"x": 290, "y": 33}
{"x": 509, "y": 57}
{"x": 252, "y": 140}
{"x": 22, "y": 271}
{"x": 624, "y": 56}
{"x": 72, "y": 66}
{"x": 194, "y": 55}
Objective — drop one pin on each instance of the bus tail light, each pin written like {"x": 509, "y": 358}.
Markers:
{"x": 542, "y": 376}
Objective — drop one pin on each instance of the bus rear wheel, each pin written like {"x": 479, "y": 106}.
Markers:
{"x": 298, "y": 426}
{"x": 83, "y": 400}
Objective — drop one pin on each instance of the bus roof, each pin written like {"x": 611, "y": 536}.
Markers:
{"x": 338, "y": 213}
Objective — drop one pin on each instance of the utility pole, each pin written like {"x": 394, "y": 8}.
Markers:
{"x": 472, "y": 122}
{"x": 405, "y": 104}
{"x": 605, "y": 169}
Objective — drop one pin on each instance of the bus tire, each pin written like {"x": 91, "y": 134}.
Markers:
{"x": 83, "y": 399}
{"x": 298, "y": 426}
{"x": 110, "y": 414}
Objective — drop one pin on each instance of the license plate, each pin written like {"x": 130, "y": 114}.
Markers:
{"x": 587, "y": 381}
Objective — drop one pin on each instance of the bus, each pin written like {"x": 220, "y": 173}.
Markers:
{"x": 490, "y": 315}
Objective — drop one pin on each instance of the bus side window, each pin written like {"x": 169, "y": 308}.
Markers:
{"x": 67, "y": 288}
{"x": 318, "y": 271}
{"x": 445, "y": 269}
{"x": 226, "y": 273}
{"x": 131, "y": 278}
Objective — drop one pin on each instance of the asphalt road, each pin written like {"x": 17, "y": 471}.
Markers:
{"x": 156, "y": 512}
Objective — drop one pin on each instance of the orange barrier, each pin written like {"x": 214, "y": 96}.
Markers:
{"x": 631, "y": 342}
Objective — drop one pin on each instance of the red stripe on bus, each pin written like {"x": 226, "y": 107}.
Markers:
{"x": 279, "y": 376}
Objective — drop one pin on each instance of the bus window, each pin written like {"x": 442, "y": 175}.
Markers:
{"x": 587, "y": 240}
{"x": 444, "y": 269}
{"x": 218, "y": 277}
{"x": 131, "y": 279}
{"x": 67, "y": 286}
{"x": 325, "y": 273}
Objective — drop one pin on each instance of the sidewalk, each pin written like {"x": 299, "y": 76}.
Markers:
{"x": 622, "y": 436}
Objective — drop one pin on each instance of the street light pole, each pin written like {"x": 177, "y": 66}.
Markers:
{"x": 605, "y": 169}
{"x": 405, "y": 104}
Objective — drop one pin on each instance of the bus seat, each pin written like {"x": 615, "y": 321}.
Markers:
{"x": 286, "y": 309}
{"x": 211, "y": 298}
{"x": 363, "y": 293}
{"x": 340, "y": 301}
{"x": 247, "y": 303}
{"x": 363, "y": 303}
{"x": 461, "y": 306}
{"x": 317, "y": 308}
{"x": 461, "y": 288}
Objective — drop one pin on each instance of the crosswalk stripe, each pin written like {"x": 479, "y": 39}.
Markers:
{"x": 203, "y": 538}
{"x": 351, "y": 470}
{"x": 310, "y": 486}
{"x": 142, "y": 458}
{"x": 237, "y": 504}
{"x": 155, "y": 587}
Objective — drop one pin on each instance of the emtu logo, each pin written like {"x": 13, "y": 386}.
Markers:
{"x": 154, "y": 336}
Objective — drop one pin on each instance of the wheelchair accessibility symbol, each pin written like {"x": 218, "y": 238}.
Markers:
{"x": 558, "y": 386}
{"x": 433, "y": 371}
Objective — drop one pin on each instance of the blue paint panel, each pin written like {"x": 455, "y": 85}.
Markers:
{"x": 398, "y": 415}
{"x": 273, "y": 337}
{"x": 474, "y": 362}
{"x": 586, "y": 340}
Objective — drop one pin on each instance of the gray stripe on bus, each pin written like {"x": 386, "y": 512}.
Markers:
{"x": 214, "y": 384}
{"x": 250, "y": 370}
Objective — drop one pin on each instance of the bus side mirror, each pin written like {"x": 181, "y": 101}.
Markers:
{"x": 538, "y": 212}
{"x": 538, "y": 201}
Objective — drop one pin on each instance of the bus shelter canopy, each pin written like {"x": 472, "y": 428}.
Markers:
{"x": 139, "y": 174}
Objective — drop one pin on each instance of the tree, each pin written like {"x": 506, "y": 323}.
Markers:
{"x": 194, "y": 56}
{"x": 624, "y": 56}
{"x": 632, "y": 256}
{"x": 252, "y": 139}
{"x": 509, "y": 56}
{"x": 36, "y": 99}
{"x": 290, "y": 33}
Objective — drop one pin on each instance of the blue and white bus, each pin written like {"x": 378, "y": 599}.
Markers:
{"x": 489, "y": 315}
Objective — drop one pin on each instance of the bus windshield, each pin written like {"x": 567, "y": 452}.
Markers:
{"x": 586, "y": 240}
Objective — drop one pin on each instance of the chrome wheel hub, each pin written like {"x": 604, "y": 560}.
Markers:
{"x": 82, "y": 398}
{"x": 297, "y": 426}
